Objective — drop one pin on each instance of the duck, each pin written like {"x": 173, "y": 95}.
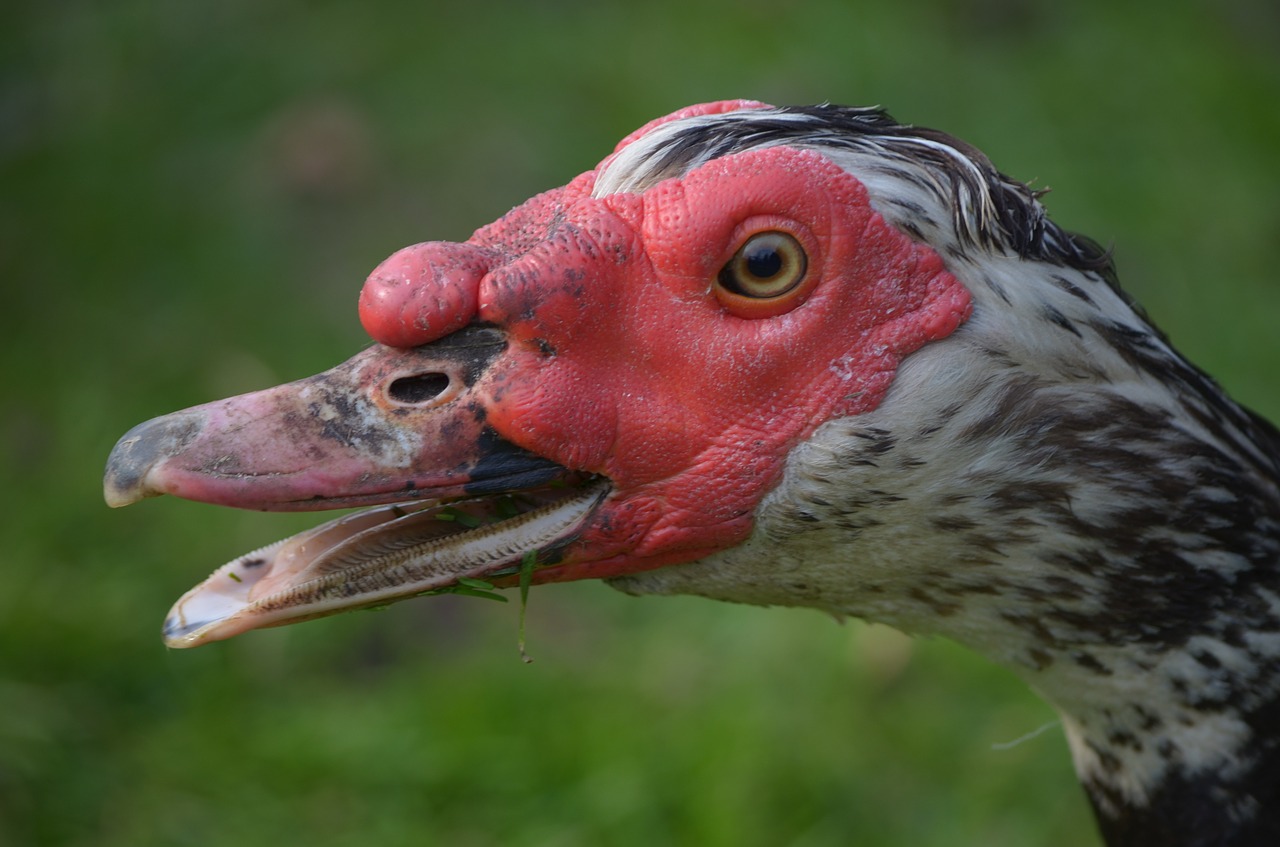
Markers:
{"x": 799, "y": 356}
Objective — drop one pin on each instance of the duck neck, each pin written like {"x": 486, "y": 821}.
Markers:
{"x": 1115, "y": 542}
{"x": 1178, "y": 748}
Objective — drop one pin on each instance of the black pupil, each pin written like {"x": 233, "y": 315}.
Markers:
{"x": 764, "y": 263}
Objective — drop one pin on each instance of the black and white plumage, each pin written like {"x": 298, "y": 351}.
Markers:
{"x": 1051, "y": 484}
{"x": 1054, "y": 485}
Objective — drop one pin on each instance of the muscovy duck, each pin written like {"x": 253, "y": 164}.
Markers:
{"x": 800, "y": 356}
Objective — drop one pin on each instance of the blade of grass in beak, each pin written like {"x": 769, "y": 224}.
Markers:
{"x": 527, "y": 563}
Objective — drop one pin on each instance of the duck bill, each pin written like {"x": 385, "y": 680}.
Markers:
{"x": 402, "y": 431}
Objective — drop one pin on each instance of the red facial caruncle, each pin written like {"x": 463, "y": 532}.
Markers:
{"x": 658, "y": 353}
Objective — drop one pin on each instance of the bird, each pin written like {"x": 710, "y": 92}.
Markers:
{"x": 793, "y": 356}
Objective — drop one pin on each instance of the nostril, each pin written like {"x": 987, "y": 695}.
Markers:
{"x": 419, "y": 388}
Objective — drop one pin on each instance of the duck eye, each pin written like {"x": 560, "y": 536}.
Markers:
{"x": 767, "y": 265}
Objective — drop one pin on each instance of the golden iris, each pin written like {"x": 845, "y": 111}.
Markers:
{"x": 768, "y": 264}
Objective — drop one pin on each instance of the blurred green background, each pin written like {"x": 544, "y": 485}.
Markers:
{"x": 191, "y": 195}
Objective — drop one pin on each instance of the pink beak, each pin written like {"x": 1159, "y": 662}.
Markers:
{"x": 388, "y": 426}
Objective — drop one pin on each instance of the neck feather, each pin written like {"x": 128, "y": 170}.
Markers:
{"x": 1071, "y": 498}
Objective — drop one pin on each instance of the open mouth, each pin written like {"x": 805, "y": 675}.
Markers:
{"x": 387, "y": 553}
{"x": 448, "y": 503}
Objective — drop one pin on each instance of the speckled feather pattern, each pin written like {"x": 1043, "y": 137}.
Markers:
{"x": 1052, "y": 485}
